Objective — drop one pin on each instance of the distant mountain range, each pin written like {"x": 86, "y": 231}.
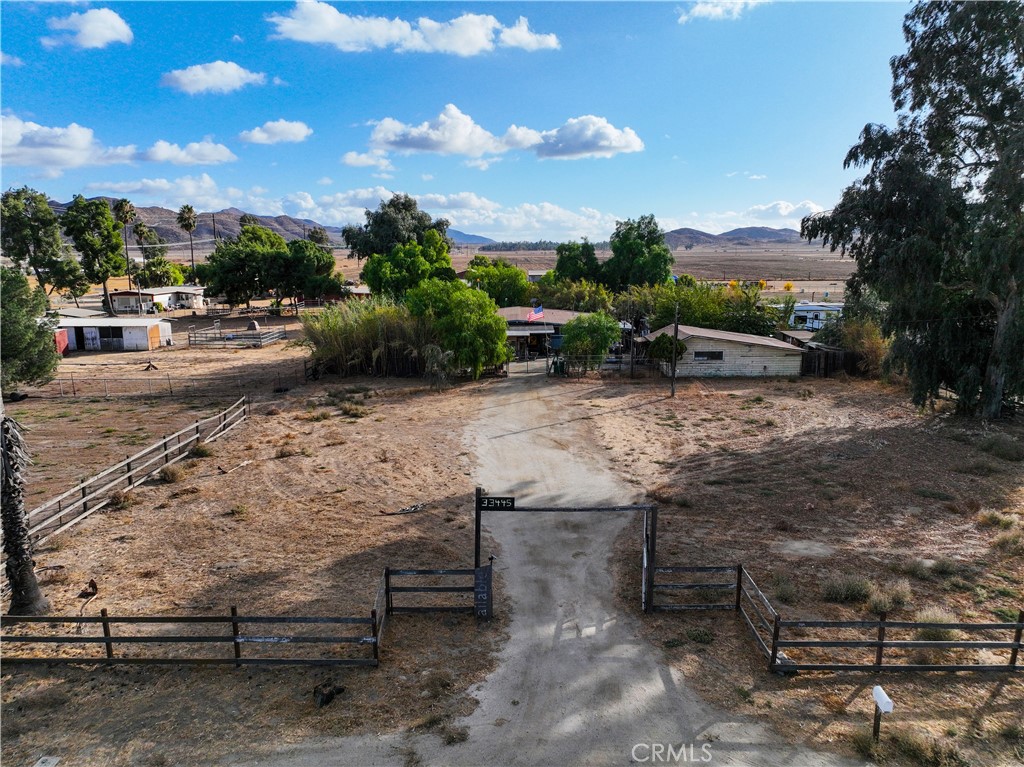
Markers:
{"x": 165, "y": 223}
{"x": 747, "y": 235}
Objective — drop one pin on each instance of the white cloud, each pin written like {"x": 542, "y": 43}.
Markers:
{"x": 756, "y": 176}
{"x": 56, "y": 149}
{"x": 481, "y": 163}
{"x": 277, "y": 132}
{"x": 237, "y": 39}
{"x": 203, "y": 152}
{"x": 427, "y": 177}
{"x": 200, "y": 191}
{"x": 376, "y": 159}
{"x": 520, "y": 36}
{"x": 588, "y": 136}
{"x": 457, "y": 201}
{"x": 718, "y": 10}
{"x": 10, "y": 61}
{"x": 96, "y": 28}
{"x": 454, "y": 132}
{"x": 467, "y": 35}
{"x": 215, "y": 77}
{"x": 780, "y": 209}
{"x": 325, "y": 181}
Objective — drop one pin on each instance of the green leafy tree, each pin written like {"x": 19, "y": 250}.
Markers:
{"x": 396, "y": 222}
{"x": 158, "y": 272}
{"x": 639, "y": 255}
{"x": 318, "y": 236}
{"x": 237, "y": 268}
{"x": 587, "y": 339}
{"x": 28, "y": 354}
{"x": 406, "y": 266}
{"x": 582, "y": 296}
{"x": 91, "y": 227}
{"x": 936, "y": 225}
{"x": 465, "y": 321}
{"x": 298, "y": 268}
{"x": 150, "y": 243}
{"x": 30, "y": 235}
{"x": 577, "y": 261}
{"x": 661, "y": 348}
{"x": 505, "y": 283}
{"x": 188, "y": 221}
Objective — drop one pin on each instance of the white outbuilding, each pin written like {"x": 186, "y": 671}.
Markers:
{"x": 715, "y": 353}
{"x": 115, "y": 334}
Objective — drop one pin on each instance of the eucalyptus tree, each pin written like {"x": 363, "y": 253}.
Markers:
{"x": 91, "y": 227}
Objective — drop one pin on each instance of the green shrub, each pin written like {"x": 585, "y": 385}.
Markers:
{"x": 1003, "y": 446}
{"x": 1011, "y": 544}
{"x": 122, "y": 499}
{"x": 785, "y": 590}
{"x": 846, "y": 588}
{"x": 934, "y": 615}
{"x": 996, "y": 519}
{"x": 200, "y": 451}
{"x": 700, "y": 635}
{"x": 172, "y": 473}
{"x": 945, "y": 566}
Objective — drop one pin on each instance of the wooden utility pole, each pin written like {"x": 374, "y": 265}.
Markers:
{"x": 675, "y": 348}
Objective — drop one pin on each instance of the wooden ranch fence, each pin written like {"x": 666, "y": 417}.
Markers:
{"x": 165, "y": 385}
{"x": 215, "y": 337}
{"x": 895, "y": 653}
{"x": 92, "y": 494}
{"x": 233, "y": 634}
{"x": 390, "y": 589}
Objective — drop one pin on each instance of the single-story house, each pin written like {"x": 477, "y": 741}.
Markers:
{"x": 721, "y": 353}
{"x": 535, "y": 337}
{"x": 812, "y": 316}
{"x": 171, "y": 297}
{"x": 115, "y": 334}
{"x": 535, "y": 275}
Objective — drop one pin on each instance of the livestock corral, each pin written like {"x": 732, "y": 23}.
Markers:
{"x": 802, "y": 481}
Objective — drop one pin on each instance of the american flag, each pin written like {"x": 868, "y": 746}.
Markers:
{"x": 537, "y": 313}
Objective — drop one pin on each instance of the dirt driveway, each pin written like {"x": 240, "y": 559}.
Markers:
{"x": 575, "y": 684}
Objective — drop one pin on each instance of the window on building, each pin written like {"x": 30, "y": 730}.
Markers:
{"x": 708, "y": 356}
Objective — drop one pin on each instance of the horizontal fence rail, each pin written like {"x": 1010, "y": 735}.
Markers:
{"x": 92, "y": 494}
{"x": 70, "y": 386}
{"x": 233, "y": 623}
{"x": 217, "y": 337}
{"x": 889, "y": 643}
{"x": 435, "y": 576}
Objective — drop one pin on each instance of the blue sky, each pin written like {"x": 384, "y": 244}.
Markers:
{"x": 513, "y": 120}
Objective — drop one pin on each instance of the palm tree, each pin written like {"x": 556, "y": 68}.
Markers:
{"x": 26, "y": 598}
{"x": 125, "y": 214}
{"x": 187, "y": 221}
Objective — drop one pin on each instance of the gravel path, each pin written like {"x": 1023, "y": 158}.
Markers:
{"x": 574, "y": 685}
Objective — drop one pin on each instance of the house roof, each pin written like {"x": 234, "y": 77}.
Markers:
{"x": 75, "y": 311}
{"x": 193, "y": 289}
{"x": 107, "y": 322}
{"x": 551, "y": 316}
{"x": 818, "y": 306}
{"x": 688, "y": 331}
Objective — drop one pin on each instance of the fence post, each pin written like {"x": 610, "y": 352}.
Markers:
{"x": 774, "y": 659}
{"x": 170, "y": 388}
{"x": 234, "y": 633}
{"x": 105, "y": 394}
{"x": 106, "y": 633}
{"x": 165, "y": 449}
{"x": 739, "y": 585}
{"x": 74, "y": 392}
{"x": 1016, "y": 639}
{"x": 128, "y": 470}
{"x": 60, "y": 381}
{"x": 376, "y": 636}
{"x": 387, "y": 591}
{"x": 881, "y": 639}
{"x": 652, "y": 558}
{"x": 85, "y": 492}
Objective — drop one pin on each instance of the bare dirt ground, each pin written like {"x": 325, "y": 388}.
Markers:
{"x": 300, "y": 530}
{"x": 760, "y": 472}
{"x": 803, "y": 480}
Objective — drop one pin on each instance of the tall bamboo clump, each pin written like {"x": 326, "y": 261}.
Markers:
{"x": 376, "y": 337}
